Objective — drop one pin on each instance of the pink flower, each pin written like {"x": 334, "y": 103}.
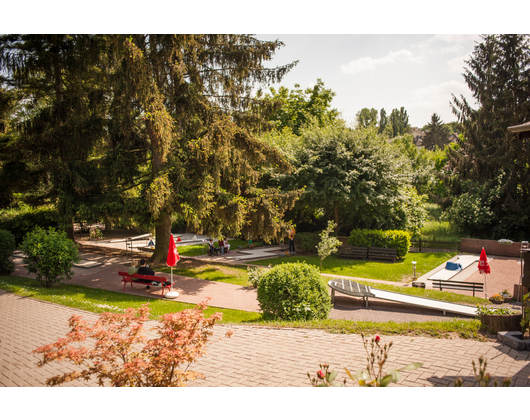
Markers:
{"x": 320, "y": 374}
{"x": 377, "y": 338}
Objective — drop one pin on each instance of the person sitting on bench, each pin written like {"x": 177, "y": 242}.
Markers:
{"x": 212, "y": 250}
{"x": 145, "y": 270}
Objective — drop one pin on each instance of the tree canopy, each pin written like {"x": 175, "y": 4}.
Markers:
{"x": 296, "y": 108}
{"x": 352, "y": 176}
{"x": 437, "y": 134}
{"x": 146, "y": 126}
{"x": 489, "y": 173}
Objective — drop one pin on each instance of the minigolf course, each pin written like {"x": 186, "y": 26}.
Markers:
{"x": 352, "y": 288}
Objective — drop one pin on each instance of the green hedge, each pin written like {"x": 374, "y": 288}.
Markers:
{"x": 7, "y": 246}
{"x": 398, "y": 239}
{"x": 306, "y": 242}
{"x": 22, "y": 221}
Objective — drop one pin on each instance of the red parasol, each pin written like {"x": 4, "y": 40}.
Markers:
{"x": 484, "y": 268}
{"x": 172, "y": 258}
{"x": 178, "y": 239}
{"x": 172, "y": 254}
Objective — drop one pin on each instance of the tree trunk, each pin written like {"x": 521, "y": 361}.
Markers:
{"x": 163, "y": 236}
{"x": 70, "y": 230}
{"x": 336, "y": 214}
{"x": 163, "y": 222}
{"x": 108, "y": 224}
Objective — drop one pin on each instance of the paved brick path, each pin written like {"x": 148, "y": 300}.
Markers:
{"x": 257, "y": 356}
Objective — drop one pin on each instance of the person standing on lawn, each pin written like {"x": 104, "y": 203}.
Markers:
{"x": 292, "y": 232}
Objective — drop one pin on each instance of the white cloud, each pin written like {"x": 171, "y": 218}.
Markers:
{"x": 456, "y": 38}
{"x": 436, "y": 98}
{"x": 457, "y": 43}
{"x": 435, "y": 93}
{"x": 365, "y": 64}
{"x": 457, "y": 64}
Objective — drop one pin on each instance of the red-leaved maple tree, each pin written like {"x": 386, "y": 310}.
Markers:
{"x": 122, "y": 356}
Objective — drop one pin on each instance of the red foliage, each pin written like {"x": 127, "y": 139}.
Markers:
{"x": 117, "y": 356}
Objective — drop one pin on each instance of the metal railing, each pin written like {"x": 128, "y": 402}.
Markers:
{"x": 433, "y": 246}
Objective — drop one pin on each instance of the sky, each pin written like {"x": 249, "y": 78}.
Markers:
{"x": 418, "y": 72}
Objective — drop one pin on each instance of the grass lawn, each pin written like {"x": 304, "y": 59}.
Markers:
{"x": 399, "y": 271}
{"x": 237, "y": 274}
{"x": 196, "y": 250}
{"x": 98, "y": 301}
{"x": 214, "y": 272}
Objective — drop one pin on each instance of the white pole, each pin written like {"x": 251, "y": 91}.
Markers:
{"x": 485, "y": 286}
{"x": 172, "y": 294}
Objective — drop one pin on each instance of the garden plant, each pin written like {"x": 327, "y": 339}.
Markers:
{"x": 7, "y": 246}
{"x": 115, "y": 357}
{"x": 293, "y": 291}
{"x": 50, "y": 255}
{"x": 372, "y": 376}
{"x": 328, "y": 244}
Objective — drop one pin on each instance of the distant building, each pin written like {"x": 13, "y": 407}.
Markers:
{"x": 418, "y": 136}
{"x": 453, "y": 138}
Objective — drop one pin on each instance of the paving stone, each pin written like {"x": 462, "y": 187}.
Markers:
{"x": 257, "y": 356}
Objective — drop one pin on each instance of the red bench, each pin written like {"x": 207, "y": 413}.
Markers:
{"x": 144, "y": 279}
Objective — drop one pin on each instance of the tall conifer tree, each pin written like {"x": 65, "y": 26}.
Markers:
{"x": 58, "y": 78}
{"x": 150, "y": 125}
{"x": 491, "y": 168}
{"x": 437, "y": 133}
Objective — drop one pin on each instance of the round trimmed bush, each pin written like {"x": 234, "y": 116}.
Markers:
{"x": 293, "y": 292}
{"x": 7, "y": 246}
{"x": 50, "y": 255}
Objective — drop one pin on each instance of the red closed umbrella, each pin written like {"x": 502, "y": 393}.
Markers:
{"x": 172, "y": 258}
{"x": 484, "y": 268}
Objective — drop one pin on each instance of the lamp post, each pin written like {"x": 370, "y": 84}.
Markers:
{"x": 414, "y": 270}
{"x": 524, "y": 248}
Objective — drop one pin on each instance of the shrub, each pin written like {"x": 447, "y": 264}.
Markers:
{"x": 95, "y": 233}
{"x": 7, "y": 246}
{"x": 115, "y": 353}
{"x": 23, "y": 220}
{"x": 398, "y": 239}
{"x": 293, "y": 291}
{"x": 255, "y": 274}
{"x": 49, "y": 254}
{"x": 306, "y": 241}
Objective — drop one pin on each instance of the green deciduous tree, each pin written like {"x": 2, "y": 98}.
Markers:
{"x": 298, "y": 107}
{"x": 383, "y": 121}
{"x": 328, "y": 244}
{"x": 353, "y": 177}
{"x": 399, "y": 121}
{"x": 366, "y": 118}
